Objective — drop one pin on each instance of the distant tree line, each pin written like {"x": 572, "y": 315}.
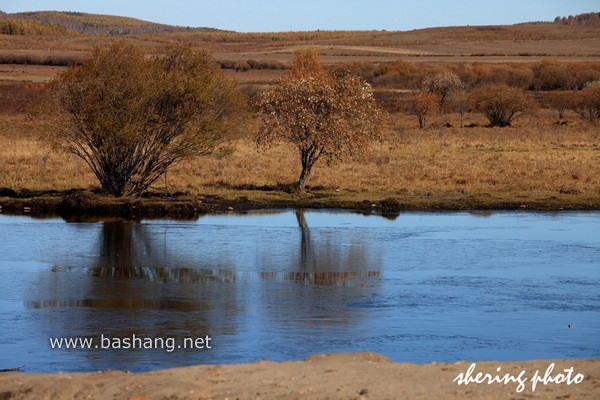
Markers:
{"x": 588, "y": 19}
{"x": 499, "y": 103}
{"x": 33, "y": 28}
{"x": 541, "y": 75}
{"x": 246, "y": 65}
{"x": 59, "y": 59}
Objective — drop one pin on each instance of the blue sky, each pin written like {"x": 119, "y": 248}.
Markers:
{"x": 292, "y": 15}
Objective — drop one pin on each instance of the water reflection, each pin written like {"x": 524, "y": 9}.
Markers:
{"x": 189, "y": 281}
{"x": 129, "y": 251}
{"x": 327, "y": 262}
{"x": 282, "y": 286}
{"x": 134, "y": 251}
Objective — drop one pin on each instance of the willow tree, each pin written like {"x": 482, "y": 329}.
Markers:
{"x": 324, "y": 114}
{"x": 131, "y": 117}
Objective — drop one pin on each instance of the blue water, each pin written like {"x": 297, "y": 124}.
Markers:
{"x": 282, "y": 285}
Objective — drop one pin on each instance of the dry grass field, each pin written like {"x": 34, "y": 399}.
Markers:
{"x": 533, "y": 163}
{"x": 536, "y": 163}
{"x": 508, "y": 165}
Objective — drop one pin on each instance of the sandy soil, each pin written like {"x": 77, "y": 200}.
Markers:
{"x": 336, "y": 376}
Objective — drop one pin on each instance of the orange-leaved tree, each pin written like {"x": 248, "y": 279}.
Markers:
{"x": 423, "y": 104}
{"x": 130, "y": 117}
{"x": 325, "y": 114}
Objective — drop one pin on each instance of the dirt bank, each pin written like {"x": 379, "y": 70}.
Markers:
{"x": 339, "y": 376}
{"x": 79, "y": 203}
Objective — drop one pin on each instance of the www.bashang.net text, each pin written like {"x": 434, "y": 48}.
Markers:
{"x": 131, "y": 342}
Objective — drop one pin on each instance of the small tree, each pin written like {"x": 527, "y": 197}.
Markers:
{"x": 329, "y": 115}
{"x": 130, "y": 117}
{"x": 423, "y": 104}
{"x": 499, "y": 103}
{"x": 458, "y": 101}
{"x": 442, "y": 84}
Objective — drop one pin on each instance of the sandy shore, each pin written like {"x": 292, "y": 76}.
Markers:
{"x": 336, "y": 376}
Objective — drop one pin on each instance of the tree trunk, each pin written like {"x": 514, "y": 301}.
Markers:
{"x": 308, "y": 157}
{"x": 304, "y": 175}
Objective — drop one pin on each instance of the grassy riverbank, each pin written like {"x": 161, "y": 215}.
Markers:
{"x": 533, "y": 165}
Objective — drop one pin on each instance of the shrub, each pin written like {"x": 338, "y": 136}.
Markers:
{"x": 552, "y": 75}
{"x": 587, "y": 103}
{"x": 561, "y": 101}
{"x": 499, "y": 103}
{"x": 130, "y": 117}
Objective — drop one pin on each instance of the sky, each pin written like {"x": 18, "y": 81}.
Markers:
{"x": 307, "y": 15}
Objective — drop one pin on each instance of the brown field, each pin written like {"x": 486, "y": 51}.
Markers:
{"x": 523, "y": 42}
{"x": 537, "y": 163}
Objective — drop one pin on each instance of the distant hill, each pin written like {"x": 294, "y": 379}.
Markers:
{"x": 69, "y": 22}
{"x": 88, "y": 23}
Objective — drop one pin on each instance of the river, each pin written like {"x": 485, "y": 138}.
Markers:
{"x": 286, "y": 284}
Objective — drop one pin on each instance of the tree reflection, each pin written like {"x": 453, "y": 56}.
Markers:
{"x": 178, "y": 280}
{"x": 329, "y": 262}
{"x": 135, "y": 285}
{"x": 329, "y": 267}
{"x": 128, "y": 251}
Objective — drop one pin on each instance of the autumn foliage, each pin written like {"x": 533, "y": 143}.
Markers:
{"x": 130, "y": 117}
{"x": 587, "y": 103}
{"x": 442, "y": 84}
{"x": 424, "y": 104}
{"x": 324, "y": 114}
{"x": 500, "y": 104}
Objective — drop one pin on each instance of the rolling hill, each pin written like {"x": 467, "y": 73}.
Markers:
{"x": 64, "y": 38}
{"x": 99, "y": 23}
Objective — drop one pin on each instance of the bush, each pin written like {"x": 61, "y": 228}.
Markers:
{"x": 499, "y": 103}
{"x": 130, "y": 117}
{"x": 561, "y": 101}
{"x": 587, "y": 103}
{"x": 552, "y": 75}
